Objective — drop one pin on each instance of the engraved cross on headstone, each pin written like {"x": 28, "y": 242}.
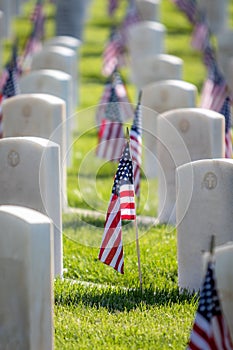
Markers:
{"x": 13, "y": 158}
{"x": 210, "y": 181}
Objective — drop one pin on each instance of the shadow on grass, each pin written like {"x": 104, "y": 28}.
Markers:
{"x": 119, "y": 300}
{"x": 77, "y": 221}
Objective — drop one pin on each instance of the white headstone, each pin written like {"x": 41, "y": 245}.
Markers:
{"x": 64, "y": 40}
{"x": 26, "y": 272}
{"x": 225, "y": 54}
{"x": 154, "y": 68}
{"x": 7, "y": 20}
{"x": 53, "y": 82}
{"x": 15, "y": 7}
{"x": 59, "y": 58}
{"x": 146, "y": 38}
{"x": 157, "y": 98}
{"x": 204, "y": 208}
{"x": 223, "y": 257}
{"x": 70, "y": 17}
{"x": 184, "y": 135}
{"x": 217, "y": 14}
{"x": 30, "y": 177}
{"x": 40, "y": 115}
{"x": 149, "y": 10}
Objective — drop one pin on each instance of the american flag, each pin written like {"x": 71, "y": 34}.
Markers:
{"x": 33, "y": 45}
{"x": 124, "y": 105}
{"x": 226, "y": 111}
{"x": 210, "y": 330}
{"x": 121, "y": 207}
{"x": 37, "y": 17}
{"x": 11, "y": 86}
{"x": 9, "y": 83}
{"x": 201, "y": 34}
{"x": 209, "y": 57}
{"x": 103, "y": 102}
{"x": 189, "y": 7}
{"x": 34, "y": 41}
{"x": 112, "y": 6}
{"x": 215, "y": 89}
{"x": 132, "y": 17}
{"x": 113, "y": 55}
{"x": 123, "y": 97}
{"x": 111, "y": 135}
{"x": 136, "y": 146}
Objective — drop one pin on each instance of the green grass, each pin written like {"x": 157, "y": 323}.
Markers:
{"x": 95, "y": 307}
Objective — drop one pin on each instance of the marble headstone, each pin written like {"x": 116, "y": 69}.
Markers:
{"x": 40, "y": 115}
{"x": 57, "y": 83}
{"x": 59, "y": 58}
{"x": 30, "y": 177}
{"x": 160, "y": 97}
{"x": 64, "y": 40}
{"x": 5, "y": 7}
{"x": 225, "y": 54}
{"x": 204, "y": 208}
{"x": 70, "y": 17}
{"x": 217, "y": 14}
{"x": 146, "y": 38}
{"x": 26, "y": 272}
{"x": 149, "y": 10}
{"x": 184, "y": 135}
{"x": 154, "y": 68}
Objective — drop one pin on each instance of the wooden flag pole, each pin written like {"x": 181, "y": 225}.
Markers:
{"x": 136, "y": 231}
{"x": 212, "y": 246}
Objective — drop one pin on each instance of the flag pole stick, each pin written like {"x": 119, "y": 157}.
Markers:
{"x": 212, "y": 244}
{"x": 139, "y": 102}
{"x": 212, "y": 247}
{"x": 136, "y": 230}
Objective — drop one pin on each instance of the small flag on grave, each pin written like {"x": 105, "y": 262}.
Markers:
{"x": 201, "y": 33}
{"x": 112, "y": 6}
{"x": 210, "y": 329}
{"x": 136, "y": 145}
{"x": 121, "y": 207}
{"x": 124, "y": 105}
{"x": 111, "y": 135}
{"x": 9, "y": 82}
{"x": 189, "y": 7}
{"x": 226, "y": 111}
{"x": 34, "y": 41}
{"x": 113, "y": 55}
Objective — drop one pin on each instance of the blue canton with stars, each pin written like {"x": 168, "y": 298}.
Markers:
{"x": 124, "y": 174}
{"x": 112, "y": 111}
{"x": 137, "y": 123}
{"x": 209, "y": 305}
{"x": 226, "y": 111}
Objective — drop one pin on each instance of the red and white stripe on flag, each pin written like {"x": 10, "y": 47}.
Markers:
{"x": 228, "y": 145}
{"x": 213, "y": 335}
{"x": 200, "y": 36}
{"x": 111, "y": 250}
{"x": 127, "y": 202}
{"x": 213, "y": 95}
{"x": 136, "y": 147}
{"x": 111, "y": 140}
{"x": 110, "y": 59}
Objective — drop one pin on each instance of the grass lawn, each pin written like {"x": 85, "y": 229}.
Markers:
{"x": 95, "y": 307}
